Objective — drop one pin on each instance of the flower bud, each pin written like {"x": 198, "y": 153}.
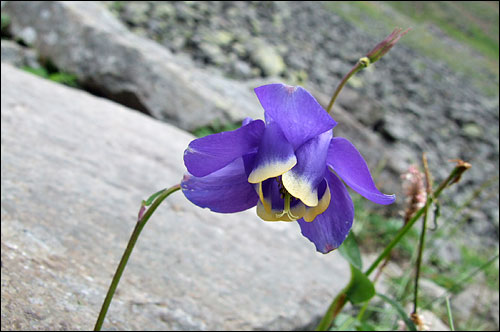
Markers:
{"x": 384, "y": 46}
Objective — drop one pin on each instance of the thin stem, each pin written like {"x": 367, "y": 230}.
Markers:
{"x": 353, "y": 71}
{"x": 333, "y": 310}
{"x": 419, "y": 261}
{"x": 340, "y": 300}
{"x": 452, "y": 178}
{"x": 458, "y": 226}
{"x": 381, "y": 268}
{"x": 450, "y": 317}
{"x": 422, "y": 233}
{"x": 362, "y": 311}
{"x": 130, "y": 246}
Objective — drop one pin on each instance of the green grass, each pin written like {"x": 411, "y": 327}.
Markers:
{"x": 474, "y": 266}
{"x": 473, "y": 24}
{"x": 217, "y": 126}
{"x": 53, "y": 75}
{"x": 377, "y": 231}
{"x": 374, "y": 232}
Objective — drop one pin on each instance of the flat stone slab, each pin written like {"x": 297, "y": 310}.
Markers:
{"x": 74, "y": 171}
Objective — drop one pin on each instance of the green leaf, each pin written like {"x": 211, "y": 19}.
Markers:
{"x": 350, "y": 251}
{"x": 152, "y": 198}
{"x": 409, "y": 323}
{"x": 360, "y": 288}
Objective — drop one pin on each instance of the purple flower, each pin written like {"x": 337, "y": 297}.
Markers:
{"x": 284, "y": 166}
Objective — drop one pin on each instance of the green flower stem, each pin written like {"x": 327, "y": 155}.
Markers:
{"x": 454, "y": 176}
{"x": 450, "y": 317}
{"x": 419, "y": 259}
{"x": 130, "y": 246}
{"x": 362, "y": 311}
{"x": 339, "y": 301}
{"x": 422, "y": 234}
{"x": 374, "y": 55}
{"x": 359, "y": 65}
{"x": 332, "y": 312}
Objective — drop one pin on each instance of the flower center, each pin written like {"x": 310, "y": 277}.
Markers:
{"x": 288, "y": 198}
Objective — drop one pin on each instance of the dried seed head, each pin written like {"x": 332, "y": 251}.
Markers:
{"x": 414, "y": 189}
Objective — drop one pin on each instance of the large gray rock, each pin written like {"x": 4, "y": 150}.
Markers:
{"x": 266, "y": 58}
{"x": 74, "y": 170}
{"x": 17, "y": 55}
{"x": 85, "y": 39}
{"x": 409, "y": 102}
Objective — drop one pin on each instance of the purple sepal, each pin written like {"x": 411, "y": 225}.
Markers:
{"x": 225, "y": 191}
{"x": 209, "y": 154}
{"x": 328, "y": 230}
{"x": 348, "y": 163}
{"x": 299, "y": 115}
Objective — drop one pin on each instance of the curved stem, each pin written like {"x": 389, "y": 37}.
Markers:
{"x": 353, "y": 71}
{"x": 130, "y": 246}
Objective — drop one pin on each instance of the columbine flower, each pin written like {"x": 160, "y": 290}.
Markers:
{"x": 284, "y": 166}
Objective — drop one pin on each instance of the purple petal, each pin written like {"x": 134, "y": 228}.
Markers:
{"x": 274, "y": 157}
{"x": 209, "y": 154}
{"x": 348, "y": 163}
{"x": 226, "y": 190}
{"x": 246, "y": 121}
{"x": 303, "y": 179}
{"x": 299, "y": 115}
{"x": 330, "y": 228}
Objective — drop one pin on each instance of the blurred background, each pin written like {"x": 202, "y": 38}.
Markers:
{"x": 436, "y": 91}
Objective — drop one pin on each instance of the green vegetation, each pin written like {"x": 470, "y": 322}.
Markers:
{"x": 216, "y": 127}
{"x": 446, "y": 274}
{"x": 54, "y": 75}
{"x": 472, "y": 24}
{"x": 475, "y": 266}
{"x": 5, "y": 25}
{"x": 377, "y": 231}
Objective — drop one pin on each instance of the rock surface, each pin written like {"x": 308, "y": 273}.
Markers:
{"x": 395, "y": 110}
{"x": 477, "y": 301}
{"x": 84, "y": 39}
{"x": 408, "y": 104}
{"x": 74, "y": 170}
{"x": 17, "y": 55}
